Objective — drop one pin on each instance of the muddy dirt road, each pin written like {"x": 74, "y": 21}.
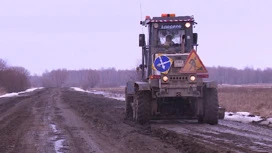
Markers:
{"x": 62, "y": 120}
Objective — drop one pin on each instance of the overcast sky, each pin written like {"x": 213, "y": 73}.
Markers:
{"x": 75, "y": 34}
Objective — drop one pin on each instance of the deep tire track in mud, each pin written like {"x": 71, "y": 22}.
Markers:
{"x": 63, "y": 120}
{"x": 105, "y": 117}
{"x": 14, "y": 118}
{"x": 185, "y": 136}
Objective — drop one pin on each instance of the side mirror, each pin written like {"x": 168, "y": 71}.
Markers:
{"x": 142, "y": 40}
{"x": 195, "y": 38}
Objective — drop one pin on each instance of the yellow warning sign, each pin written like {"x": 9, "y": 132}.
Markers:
{"x": 193, "y": 64}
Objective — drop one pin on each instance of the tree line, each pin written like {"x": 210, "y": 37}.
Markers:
{"x": 13, "y": 79}
{"x": 111, "y": 77}
{"x": 85, "y": 78}
{"x": 230, "y": 75}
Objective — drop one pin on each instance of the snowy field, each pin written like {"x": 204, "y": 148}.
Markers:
{"x": 18, "y": 93}
{"x": 244, "y": 117}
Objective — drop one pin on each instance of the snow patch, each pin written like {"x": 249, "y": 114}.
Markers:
{"x": 18, "y": 93}
{"x": 267, "y": 122}
{"x": 58, "y": 143}
{"x": 98, "y": 92}
{"x": 53, "y": 126}
{"x": 243, "y": 114}
{"x": 9, "y": 95}
{"x": 270, "y": 120}
{"x": 30, "y": 90}
{"x": 78, "y": 89}
{"x": 109, "y": 95}
{"x": 246, "y": 117}
{"x": 116, "y": 96}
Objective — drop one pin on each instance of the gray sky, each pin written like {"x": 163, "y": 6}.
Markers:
{"x": 76, "y": 34}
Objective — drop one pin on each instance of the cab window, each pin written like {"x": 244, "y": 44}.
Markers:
{"x": 169, "y": 37}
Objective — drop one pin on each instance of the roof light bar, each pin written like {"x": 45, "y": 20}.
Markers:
{"x": 168, "y": 15}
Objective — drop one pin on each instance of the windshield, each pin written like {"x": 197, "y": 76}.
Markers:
{"x": 170, "y": 37}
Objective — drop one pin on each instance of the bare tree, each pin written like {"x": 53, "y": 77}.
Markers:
{"x": 55, "y": 78}
{"x": 58, "y": 77}
{"x": 111, "y": 77}
{"x": 90, "y": 79}
{"x": 3, "y": 64}
{"x": 15, "y": 79}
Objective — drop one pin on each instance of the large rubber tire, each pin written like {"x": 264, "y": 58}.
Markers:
{"x": 200, "y": 119}
{"x": 143, "y": 110}
{"x": 199, "y": 109}
{"x": 129, "y": 110}
{"x": 221, "y": 113}
{"x": 211, "y": 106}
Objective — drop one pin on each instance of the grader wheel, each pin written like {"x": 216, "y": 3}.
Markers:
{"x": 142, "y": 109}
{"x": 210, "y": 106}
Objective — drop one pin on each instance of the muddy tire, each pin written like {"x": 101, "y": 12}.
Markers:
{"x": 143, "y": 107}
{"x": 200, "y": 108}
{"x": 129, "y": 110}
{"x": 200, "y": 119}
{"x": 211, "y": 106}
{"x": 221, "y": 113}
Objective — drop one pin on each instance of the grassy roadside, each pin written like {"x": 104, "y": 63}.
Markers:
{"x": 257, "y": 100}
{"x": 2, "y": 91}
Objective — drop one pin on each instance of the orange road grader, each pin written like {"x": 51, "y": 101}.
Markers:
{"x": 172, "y": 84}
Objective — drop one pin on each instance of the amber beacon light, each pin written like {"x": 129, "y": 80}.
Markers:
{"x": 168, "y": 15}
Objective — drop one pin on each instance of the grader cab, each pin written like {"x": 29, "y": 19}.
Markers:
{"x": 172, "y": 73}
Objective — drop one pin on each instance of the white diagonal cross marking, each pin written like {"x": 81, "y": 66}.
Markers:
{"x": 162, "y": 63}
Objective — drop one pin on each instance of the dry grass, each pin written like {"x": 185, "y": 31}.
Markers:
{"x": 115, "y": 90}
{"x": 254, "y": 99}
{"x": 2, "y": 91}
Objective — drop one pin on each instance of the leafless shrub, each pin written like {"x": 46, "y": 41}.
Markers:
{"x": 14, "y": 79}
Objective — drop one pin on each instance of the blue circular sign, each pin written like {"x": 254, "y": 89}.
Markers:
{"x": 162, "y": 63}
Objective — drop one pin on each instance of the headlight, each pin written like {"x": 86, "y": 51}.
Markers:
{"x": 156, "y": 25}
{"x": 187, "y": 25}
{"x": 165, "y": 78}
{"x": 192, "y": 78}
